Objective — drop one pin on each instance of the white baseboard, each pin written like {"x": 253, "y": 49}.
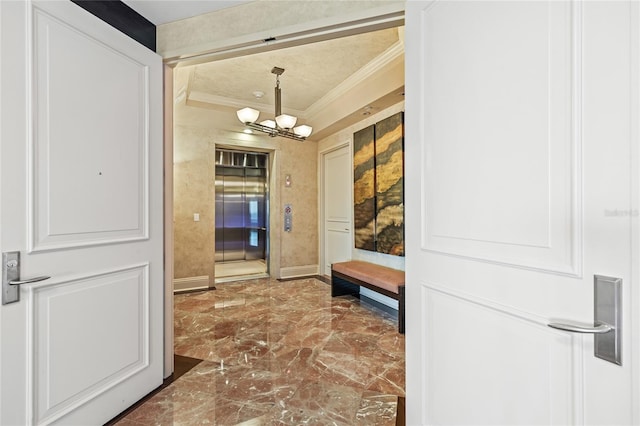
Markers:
{"x": 299, "y": 271}
{"x": 191, "y": 283}
{"x": 379, "y": 298}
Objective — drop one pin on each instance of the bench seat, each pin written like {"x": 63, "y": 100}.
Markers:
{"x": 348, "y": 277}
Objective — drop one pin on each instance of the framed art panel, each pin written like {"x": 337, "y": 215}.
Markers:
{"x": 389, "y": 179}
{"x": 364, "y": 200}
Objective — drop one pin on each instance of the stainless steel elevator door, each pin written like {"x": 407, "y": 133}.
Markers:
{"x": 241, "y": 207}
{"x": 255, "y": 214}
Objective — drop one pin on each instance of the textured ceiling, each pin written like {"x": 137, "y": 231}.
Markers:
{"x": 311, "y": 71}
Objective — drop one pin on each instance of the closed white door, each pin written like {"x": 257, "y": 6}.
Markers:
{"x": 337, "y": 207}
{"x": 522, "y": 182}
{"x": 81, "y": 201}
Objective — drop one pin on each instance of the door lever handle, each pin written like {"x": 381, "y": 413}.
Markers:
{"x": 11, "y": 277}
{"x": 607, "y": 319}
{"x": 596, "y": 329}
{"x": 29, "y": 280}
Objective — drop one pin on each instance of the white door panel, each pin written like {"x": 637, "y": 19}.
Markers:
{"x": 81, "y": 200}
{"x": 338, "y": 247}
{"x": 337, "y": 207}
{"x": 463, "y": 325}
{"x": 338, "y": 167}
{"x": 518, "y": 193}
{"x": 534, "y": 170}
{"x": 116, "y": 302}
{"x": 90, "y": 175}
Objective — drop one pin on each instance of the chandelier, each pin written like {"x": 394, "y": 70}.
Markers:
{"x": 283, "y": 124}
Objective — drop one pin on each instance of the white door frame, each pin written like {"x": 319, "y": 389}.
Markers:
{"x": 322, "y": 155}
{"x": 635, "y": 195}
{"x": 168, "y": 221}
{"x": 297, "y": 35}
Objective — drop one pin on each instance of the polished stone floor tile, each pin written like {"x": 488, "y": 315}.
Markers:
{"x": 280, "y": 353}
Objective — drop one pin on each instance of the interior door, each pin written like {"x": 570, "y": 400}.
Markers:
{"x": 337, "y": 207}
{"x": 81, "y": 201}
{"x": 522, "y": 185}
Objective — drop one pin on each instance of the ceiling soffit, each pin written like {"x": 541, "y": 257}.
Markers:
{"x": 316, "y": 74}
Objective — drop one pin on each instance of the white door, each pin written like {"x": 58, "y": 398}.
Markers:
{"x": 81, "y": 200}
{"x": 522, "y": 184}
{"x": 337, "y": 207}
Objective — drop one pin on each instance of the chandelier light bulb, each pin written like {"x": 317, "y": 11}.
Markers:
{"x": 286, "y": 121}
{"x": 248, "y": 115}
{"x": 303, "y": 130}
{"x": 269, "y": 123}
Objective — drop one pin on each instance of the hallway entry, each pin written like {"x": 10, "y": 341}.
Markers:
{"x": 241, "y": 214}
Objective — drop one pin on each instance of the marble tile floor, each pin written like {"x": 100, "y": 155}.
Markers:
{"x": 280, "y": 353}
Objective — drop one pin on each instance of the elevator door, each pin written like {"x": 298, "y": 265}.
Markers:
{"x": 241, "y": 206}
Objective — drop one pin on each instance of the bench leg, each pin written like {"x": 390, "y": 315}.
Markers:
{"x": 341, "y": 287}
{"x": 401, "y": 310}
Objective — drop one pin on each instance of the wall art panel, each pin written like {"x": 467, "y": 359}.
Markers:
{"x": 378, "y": 173}
{"x": 390, "y": 185}
{"x": 364, "y": 188}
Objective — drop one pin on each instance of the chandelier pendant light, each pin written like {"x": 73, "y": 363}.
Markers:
{"x": 284, "y": 125}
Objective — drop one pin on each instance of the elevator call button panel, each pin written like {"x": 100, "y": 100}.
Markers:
{"x": 288, "y": 213}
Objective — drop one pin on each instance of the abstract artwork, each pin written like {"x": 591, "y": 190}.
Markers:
{"x": 378, "y": 170}
{"x": 390, "y": 185}
{"x": 364, "y": 189}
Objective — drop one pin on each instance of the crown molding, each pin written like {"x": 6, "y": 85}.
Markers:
{"x": 235, "y": 103}
{"x": 387, "y": 57}
{"x": 393, "y": 53}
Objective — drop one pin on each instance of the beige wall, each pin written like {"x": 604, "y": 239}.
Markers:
{"x": 194, "y": 184}
{"x": 339, "y": 138}
{"x": 300, "y": 246}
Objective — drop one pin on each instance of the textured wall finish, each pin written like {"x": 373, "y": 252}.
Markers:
{"x": 195, "y": 142}
{"x": 194, "y": 183}
{"x": 300, "y": 160}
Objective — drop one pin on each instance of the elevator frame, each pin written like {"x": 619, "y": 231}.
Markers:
{"x": 220, "y": 162}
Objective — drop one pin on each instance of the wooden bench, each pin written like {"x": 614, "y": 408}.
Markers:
{"x": 348, "y": 277}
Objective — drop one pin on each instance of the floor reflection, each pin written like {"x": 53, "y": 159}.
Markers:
{"x": 280, "y": 353}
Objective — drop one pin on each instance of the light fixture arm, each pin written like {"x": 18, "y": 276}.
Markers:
{"x": 275, "y": 132}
